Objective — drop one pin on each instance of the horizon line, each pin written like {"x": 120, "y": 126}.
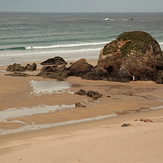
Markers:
{"x": 77, "y": 12}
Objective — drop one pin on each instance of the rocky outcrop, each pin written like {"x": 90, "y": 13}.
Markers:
{"x": 79, "y": 68}
{"x": 61, "y": 72}
{"x": 31, "y": 67}
{"x": 54, "y": 72}
{"x": 15, "y": 67}
{"x": 54, "y": 61}
{"x": 131, "y": 54}
{"x": 18, "y": 68}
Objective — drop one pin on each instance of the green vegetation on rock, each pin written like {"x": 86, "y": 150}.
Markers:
{"x": 136, "y": 36}
{"x": 130, "y": 43}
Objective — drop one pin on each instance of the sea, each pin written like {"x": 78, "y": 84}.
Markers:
{"x": 37, "y": 36}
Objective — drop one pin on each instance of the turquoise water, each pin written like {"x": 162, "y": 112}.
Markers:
{"x": 37, "y": 36}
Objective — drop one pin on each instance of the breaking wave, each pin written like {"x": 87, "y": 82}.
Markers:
{"x": 56, "y": 46}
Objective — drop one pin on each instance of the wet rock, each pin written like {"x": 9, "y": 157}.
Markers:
{"x": 15, "y": 67}
{"x": 126, "y": 125}
{"x": 16, "y": 74}
{"x": 146, "y": 120}
{"x": 79, "y": 105}
{"x": 94, "y": 94}
{"x": 31, "y": 67}
{"x": 18, "y": 68}
{"x": 54, "y": 61}
{"x": 81, "y": 92}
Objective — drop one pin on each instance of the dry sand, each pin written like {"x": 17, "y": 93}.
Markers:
{"x": 96, "y": 141}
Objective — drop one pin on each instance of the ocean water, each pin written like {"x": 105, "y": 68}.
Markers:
{"x": 38, "y": 36}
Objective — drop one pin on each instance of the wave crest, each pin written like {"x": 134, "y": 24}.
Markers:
{"x": 65, "y": 45}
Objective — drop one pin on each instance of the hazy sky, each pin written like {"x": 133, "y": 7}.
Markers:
{"x": 82, "y": 5}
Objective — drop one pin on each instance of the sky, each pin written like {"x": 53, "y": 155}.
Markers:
{"x": 82, "y": 5}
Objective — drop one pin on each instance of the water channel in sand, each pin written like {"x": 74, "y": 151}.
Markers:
{"x": 11, "y": 113}
{"x": 40, "y": 88}
{"x": 49, "y": 87}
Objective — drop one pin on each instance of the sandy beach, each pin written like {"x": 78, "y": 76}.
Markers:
{"x": 60, "y": 132}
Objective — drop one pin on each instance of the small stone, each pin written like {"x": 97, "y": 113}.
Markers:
{"x": 146, "y": 120}
{"x": 95, "y": 95}
{"x": 81, "y": 92}
{"x": 126, "y": 125}
{"x": 79, "y": 105}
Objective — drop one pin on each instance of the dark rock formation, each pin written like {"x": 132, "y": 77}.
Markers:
{"x": 16, "y": 74}
{"x": 79, "y": 68}
{"x": 15, "y": 67}
{"x": 146, "y": 120}
{"x": 31, "y": 67}
{"x": 131, "y": 54}
{"x": 159, "y": 79}
{"x": 54, "y": 72}
{"x": 81, "y": 92}
{"x": 126, "y": 125}
{"x": 54, "y": 61}
{"x": 93, "y": 94}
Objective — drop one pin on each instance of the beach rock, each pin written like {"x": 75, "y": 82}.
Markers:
{"x": 134, "y": 53}
{"x": 146, "y": 120}
{"x": 16, "y": 74}
{"x": 159, "y": 65}
{"x": 81, "y": 92}
{"x": 159, "y": 79}
{"x": 31, "y": 67}
{"x": 94, "y": 94}
{"x": 94, "y": 74}
{"x": 54, "y": 72}
{"x": 126, "y": 125}
{"x": 79, "y": 68}
{"x": 15, "y": 67}
{"x": 54, "y": 61}
{"x": 79, "y": 105}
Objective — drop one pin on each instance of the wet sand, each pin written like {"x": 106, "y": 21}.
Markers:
{"x": 90, "y": 141}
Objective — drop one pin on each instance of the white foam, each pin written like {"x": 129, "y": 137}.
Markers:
{"x": 66, "y": 45}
